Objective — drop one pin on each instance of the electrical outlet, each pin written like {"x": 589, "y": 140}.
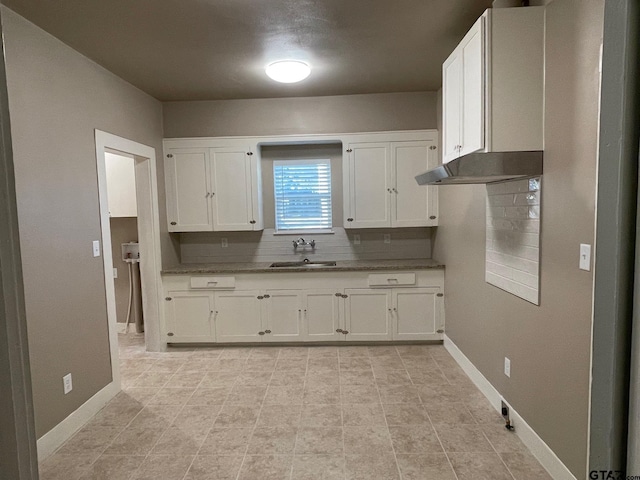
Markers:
{"x": 115, "y": 272}
{"x": 356, "y": 239}
{"x": 224, "y": 243}
{"x": 387, "y": 238}
{"x": 96, "y": 248}
{"x": 507, "y": 367}
{"x": 67, "y": 383}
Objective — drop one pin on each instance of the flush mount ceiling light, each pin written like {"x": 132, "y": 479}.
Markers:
{"x": 288, "y": 71}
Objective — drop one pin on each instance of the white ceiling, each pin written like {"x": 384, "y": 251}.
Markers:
{"x": 217, "y": 49}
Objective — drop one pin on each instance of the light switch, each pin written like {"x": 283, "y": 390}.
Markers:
{"x": 96, "y": 248}
{"x": 356, "y": 239}
{"x": 115, "y": 272}
{"x": 585, "y": 257}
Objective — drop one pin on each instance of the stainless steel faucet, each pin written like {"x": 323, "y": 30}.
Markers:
{"x": 301, "y": 242}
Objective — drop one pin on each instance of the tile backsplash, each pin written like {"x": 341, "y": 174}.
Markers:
{"x": 266, "y": 246}
{"x": 513, "y": 237}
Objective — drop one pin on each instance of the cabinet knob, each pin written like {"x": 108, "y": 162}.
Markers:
{"x": 344, "y": 296}
{"x": 267, "y": 331}
{"x": 207, "y": 195}
{"x": 439, "y": 294}
{"x": 169, "y": 155}
{"x": 169, "y": 334}
{"x": 395, "y": 191}
{"x": 432, "y": 217}
{"x": 252, "y": 222}
{"x": 440, "y": 330}
{"x": 349, "y": 150}
{"x": 267, "y": 296}
{"x": 168, "y": 299}
{"x": 249, "y": 153}
{"x": 389, "y": 190}
{"x": 338, "y": 294}
{"x": 174, "y": 223}
{"x": 260, "y": 297}
{"x": 349, "y": 219}
{"x": 344, "y": 332}
{"x": 339, "y": 330}
{"x": 260, "y": 333}
{"x": 432, "y": 147}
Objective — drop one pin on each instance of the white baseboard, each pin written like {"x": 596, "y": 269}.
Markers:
{"x": 547, "y": 458}
{"x": 54, "y": 438}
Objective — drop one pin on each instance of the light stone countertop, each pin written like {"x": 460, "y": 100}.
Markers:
{"x": 341, "y": 266}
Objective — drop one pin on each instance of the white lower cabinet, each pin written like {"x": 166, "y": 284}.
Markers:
{"x": 237, "y": 316}
{"x": 367, "y": 314}
{"x": 189, "y": 317}
{"x": 416, "y": 313}
{"x": 303, "y": 308}
{"x": 323, "y": 314}
{"x": 282, "y": 315}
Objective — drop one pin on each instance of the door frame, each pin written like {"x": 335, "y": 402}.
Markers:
{"x": 149, "y": 239}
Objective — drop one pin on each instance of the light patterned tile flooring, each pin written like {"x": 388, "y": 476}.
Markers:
{"x": 317, "y": 413}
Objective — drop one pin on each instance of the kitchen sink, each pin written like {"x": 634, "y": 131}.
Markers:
{"x": 306, "y": 263}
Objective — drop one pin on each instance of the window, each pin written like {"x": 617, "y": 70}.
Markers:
{"x": 302, "y": 191}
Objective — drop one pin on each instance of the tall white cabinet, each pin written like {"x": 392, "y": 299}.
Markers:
{"x": 493, "y": 85}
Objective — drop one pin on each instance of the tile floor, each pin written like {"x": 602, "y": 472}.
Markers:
{"x": 317, "y": 413}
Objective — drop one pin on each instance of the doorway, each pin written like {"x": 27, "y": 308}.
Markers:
{"x": 146, "y": 195}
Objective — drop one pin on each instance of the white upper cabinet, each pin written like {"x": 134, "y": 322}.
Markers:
{"x": 121, "y": 185}
{"x": 492, "y": 85}
{"x": 212, "y": 189}
{"x": 380, "y": 186}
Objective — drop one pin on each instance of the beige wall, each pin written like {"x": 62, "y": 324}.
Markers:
{"x": 283, "y": 116}
{"x": 57, "y": 98}
{"x": 549, "y": 345}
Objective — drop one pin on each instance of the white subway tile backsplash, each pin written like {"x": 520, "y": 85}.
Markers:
{"x": 513, "y": 237}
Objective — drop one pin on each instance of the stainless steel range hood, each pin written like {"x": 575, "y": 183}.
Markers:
{"x": 485, "y": 168}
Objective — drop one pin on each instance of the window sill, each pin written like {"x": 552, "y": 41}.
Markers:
{"x": 322, "y": 231}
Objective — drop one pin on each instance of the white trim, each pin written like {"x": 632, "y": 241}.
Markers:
{"x": 54, "y": 438}
{"x": 547, "y": 458}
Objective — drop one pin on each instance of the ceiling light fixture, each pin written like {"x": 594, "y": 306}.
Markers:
{"x": 288, "y": 71}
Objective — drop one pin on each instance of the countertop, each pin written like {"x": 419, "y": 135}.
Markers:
{"x": 341, "y": 266}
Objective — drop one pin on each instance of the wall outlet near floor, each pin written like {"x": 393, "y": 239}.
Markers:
{"x": 115, "y": 272}
{"x": 507, "y": 367}
{"x": 96, "y": 248}
{"x": 356, "y": 239}
{"x": 585, "y": 257}
{"x": 387, "y": 238}
{"x": 224, "y": 243}
{"x": 67, "y": 383}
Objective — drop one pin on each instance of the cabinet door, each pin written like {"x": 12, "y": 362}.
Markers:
{"x": 416, "y": 314}
{"x": 188, "y": 317}
{"x": 368, "y": 178}
{"x": 367, "y": 313}
{"x": 231, "y": 198}
{"x": 282, "y": 311}
{"x": 473, "y": 88}
{"x": 237, "y": 317}
{"x": 451, "y": 106}
{"x": 188, "y": 190}
{"x": 410, "y": 201}
{"x": 322, "y": 316}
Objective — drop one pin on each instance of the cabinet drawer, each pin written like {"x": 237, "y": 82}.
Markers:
{"x": 213, "y": 283}
{"x": 391, "y": 279}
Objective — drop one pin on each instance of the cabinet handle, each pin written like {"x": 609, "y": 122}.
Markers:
{"x": 432, "y": 147}
{"x": 267, "y": 331}
{"x": 168, "y": 299}
{"x": 344, "y": 296}
{"x": 349, "y": 150}
{"x": 169, "y": 334}
{"x": 267, "y": 296}
{"x": 252, "y": 222}
{"x": 174, "y": 223}
{"x": 338, "y": 294}
{"x": 439, "y": 294}
{"x": 260, "y": 333}
{"x": 344, "y": 332}
{"x": 349, "y": 219}
{"x": 169, "y": 155}
{"x": 249, "y": 153}
{"x": 432, "y": 217}
{"x": 339, "y": 330}
{"x": 440, "y": 330}
{"x": 260, "y": 297}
